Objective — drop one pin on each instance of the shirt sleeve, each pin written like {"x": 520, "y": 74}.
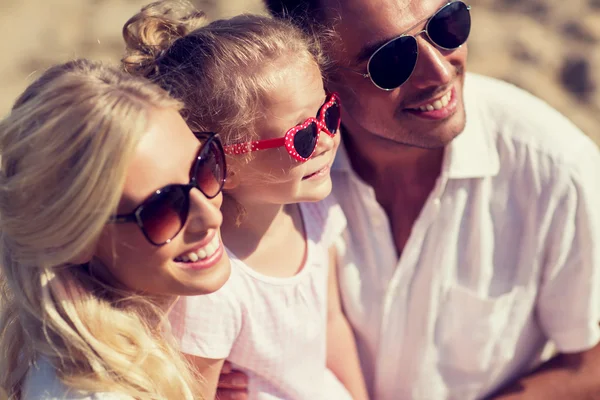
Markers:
{"x": 569, "y": 299}
{"x": 208, "y": 325}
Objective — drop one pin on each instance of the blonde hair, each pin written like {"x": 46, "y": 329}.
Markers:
{"x": 65, "y": 149}
{"x": 221, "y": 71}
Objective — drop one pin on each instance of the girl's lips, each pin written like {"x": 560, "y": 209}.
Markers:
{"x": 318, "y": 174}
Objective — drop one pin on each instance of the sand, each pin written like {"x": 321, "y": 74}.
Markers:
{"x": 549, "y": 47}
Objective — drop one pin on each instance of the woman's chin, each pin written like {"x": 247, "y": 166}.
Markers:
{"x": 207, "y": 280}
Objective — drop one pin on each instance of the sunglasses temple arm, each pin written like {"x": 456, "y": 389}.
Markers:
{"x": 249, "y": 147}
{"x": 355, "y": 71}
{"x": 121, "y": 219}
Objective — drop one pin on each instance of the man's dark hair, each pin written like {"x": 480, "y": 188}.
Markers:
{"x": 301, "y": 11}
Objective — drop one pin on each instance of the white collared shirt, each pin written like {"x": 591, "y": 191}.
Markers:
{"x": 504, "y": 256}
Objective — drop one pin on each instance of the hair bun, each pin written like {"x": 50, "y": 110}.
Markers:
{"x": 153, "y": 30}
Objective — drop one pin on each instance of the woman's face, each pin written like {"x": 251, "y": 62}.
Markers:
{"x": 164, "y": 156}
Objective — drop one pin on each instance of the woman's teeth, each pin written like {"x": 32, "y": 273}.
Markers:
{"x": 202, "y": 253}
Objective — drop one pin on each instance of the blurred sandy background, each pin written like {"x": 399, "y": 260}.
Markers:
{"x": 549, "y": 47}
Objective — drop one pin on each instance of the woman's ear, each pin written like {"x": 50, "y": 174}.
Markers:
{"x": 232, "y": 180}
{"x": 84, "y": 256}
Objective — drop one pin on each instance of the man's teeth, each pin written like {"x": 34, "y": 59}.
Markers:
{"x": 438, "y": 104}
{"x": 202, "y": 253}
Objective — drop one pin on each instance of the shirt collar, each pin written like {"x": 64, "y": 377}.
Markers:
{"x": 472, "y": 154}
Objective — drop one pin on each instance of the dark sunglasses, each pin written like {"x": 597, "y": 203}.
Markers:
{"x": 163, "y": 215}
{"x": 301, "y": 140}
{"x": 392, "y": 64}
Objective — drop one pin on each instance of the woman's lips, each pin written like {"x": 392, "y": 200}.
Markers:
{"x": 202, "y": 257}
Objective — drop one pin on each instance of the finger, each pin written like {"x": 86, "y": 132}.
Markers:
{"x": 230, "y": 394}
{"x": 226, "y": 367}
{"x": 233, "y": 380}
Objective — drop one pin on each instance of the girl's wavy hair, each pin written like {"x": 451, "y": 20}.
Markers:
{"x": 221, "y": 71}
{"x": 65, "y": 149}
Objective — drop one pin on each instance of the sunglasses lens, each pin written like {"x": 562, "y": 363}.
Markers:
{"x": 450, "y": 27}
{"x": 210, "y": 170}
{"x": 333, "y": 118}
{"x": 305, "y": 140}
{"x": 165, "y": 214}
{"x": 391, "y": 65}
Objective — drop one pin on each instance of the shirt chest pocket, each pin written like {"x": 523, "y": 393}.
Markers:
{"x": 472, "y": 332}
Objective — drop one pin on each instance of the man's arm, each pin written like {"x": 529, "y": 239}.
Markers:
{"x": 342, "y": 356}
{"x": 233, "y": 385}
{"x": 566, "y": 376}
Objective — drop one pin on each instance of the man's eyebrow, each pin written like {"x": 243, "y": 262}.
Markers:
{"x": 367, "y": 51}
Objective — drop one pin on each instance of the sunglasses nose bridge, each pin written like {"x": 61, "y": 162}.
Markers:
{"x": 421, "y": 32}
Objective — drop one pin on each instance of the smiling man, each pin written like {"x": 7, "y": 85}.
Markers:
{"x": 473, "y": 213}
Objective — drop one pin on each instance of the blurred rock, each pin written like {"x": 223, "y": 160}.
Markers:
{"x": 576, "y": 77}
{"x": 577, "y": 30}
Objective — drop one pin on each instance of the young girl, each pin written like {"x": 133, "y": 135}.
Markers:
{"x": 104, "y": 190}
{"x": 258, "y": 82}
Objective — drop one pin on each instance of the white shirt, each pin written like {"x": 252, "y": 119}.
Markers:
{"x": 42, "y": 383}
{"x": 273, "y": 329}
{"x": 504, "y": 256}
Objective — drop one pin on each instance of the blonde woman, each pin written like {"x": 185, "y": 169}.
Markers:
{"x": 109, "y": 209}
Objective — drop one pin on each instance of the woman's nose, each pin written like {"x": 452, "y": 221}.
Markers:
{"x": 205, "y": 213}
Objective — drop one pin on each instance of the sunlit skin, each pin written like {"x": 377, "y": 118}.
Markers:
{"x": 164, "y": 156}
{"x": 371, "y": 114}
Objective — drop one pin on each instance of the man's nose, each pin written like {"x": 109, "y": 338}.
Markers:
{"x": 433, "y": 68}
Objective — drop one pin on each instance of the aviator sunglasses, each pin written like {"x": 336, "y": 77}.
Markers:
{"x": 301, "y": 140}
{"x": 163, "y": 215}
{"x": 392, "y": 64}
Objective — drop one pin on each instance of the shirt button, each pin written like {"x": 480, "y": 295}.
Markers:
{"x": 437, "y": 202}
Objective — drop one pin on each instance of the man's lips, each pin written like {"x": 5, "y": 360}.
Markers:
{"x": 438, "y": 108}
{"x": 437, "y": 101}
